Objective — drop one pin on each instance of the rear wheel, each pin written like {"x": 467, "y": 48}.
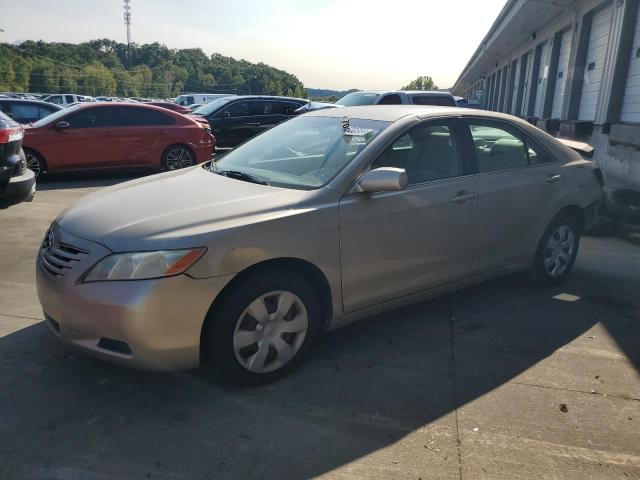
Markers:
{"x": 263, "y": 328}
{"x": 176, "y": 157}
{"x": 35, "y": 162}
{"x": 557, "y": 251}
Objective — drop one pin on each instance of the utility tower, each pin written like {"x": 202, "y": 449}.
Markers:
{"x": 127, "y": 21}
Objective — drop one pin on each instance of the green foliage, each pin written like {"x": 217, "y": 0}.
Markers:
{"x": 104, "y": 67}
{"x": 423, "y": 82}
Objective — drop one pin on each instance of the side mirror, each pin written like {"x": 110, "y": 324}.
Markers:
{"x": 62, "y": 125}
{"x": 384, "y": 179}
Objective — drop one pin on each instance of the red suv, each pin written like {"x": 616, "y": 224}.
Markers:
{"x": 107, "y": 135}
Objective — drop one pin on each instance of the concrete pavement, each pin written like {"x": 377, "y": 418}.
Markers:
{"x": 500, "y": 381}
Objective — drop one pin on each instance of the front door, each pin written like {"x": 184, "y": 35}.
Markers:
{"x": 234, "y": 124}
{"x": 87, "y": 142}
{"x": 398, "y": 243}
{"x": 519, "y": 187}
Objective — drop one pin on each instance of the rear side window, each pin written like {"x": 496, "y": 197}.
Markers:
{"x": 427, "y": 152}
{"x": 57, "y": 99}
{"x": 497, "y": 146}
{"x": 92, "y": 118}
{"x": 134, "y": 117}
{"x": 440, "y": 100}
{"x": 391, "y": 99}
{"x": 280, "y": 108}
{"x": 22, "y": 110}
{"x": 69, "y": 98}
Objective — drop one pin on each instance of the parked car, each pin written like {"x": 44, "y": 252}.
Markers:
{"x": 104, "y": 135}
{"x": 312, "y": 106}
{"x": 67, "y": 99}
{"x": 397, "y": 97}
{"x": 27, "y": 111}
{"x": 191, "y": 98}
{"x": 171, "y": 106}
{"x": 464, "y": 103}
{"x": 236, "y": 119}
{"x": 17, "y": 182}
{"x": 330, "y": 217}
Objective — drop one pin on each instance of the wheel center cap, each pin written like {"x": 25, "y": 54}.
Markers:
{"x": 271, "y": 330}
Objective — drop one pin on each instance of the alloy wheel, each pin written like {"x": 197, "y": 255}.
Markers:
{"x": 270, "y": 331}
{"x": 559, "y": 251}
{"x": 178, "y": 157}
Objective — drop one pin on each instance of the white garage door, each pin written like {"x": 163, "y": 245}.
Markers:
{"x": 631, "y": 102}
{"x": 537, "y": 109}
{"x": 561, "y": 74}
{"x": 594, "y": 66}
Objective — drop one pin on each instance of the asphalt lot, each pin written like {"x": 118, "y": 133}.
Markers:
{"x": 499, "y": 381}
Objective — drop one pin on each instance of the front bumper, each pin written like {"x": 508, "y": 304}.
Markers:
{"x": 146, "y": 324}
{"x": 19, "y": 189}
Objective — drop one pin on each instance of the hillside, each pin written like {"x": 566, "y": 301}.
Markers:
{"x": 103, "y": 67}
{"x": 325, "y": 95}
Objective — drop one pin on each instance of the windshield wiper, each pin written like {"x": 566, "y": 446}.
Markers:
{"x": 238, "y": 175}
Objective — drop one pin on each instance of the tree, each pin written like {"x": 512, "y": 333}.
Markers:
{"x": 423, "y": 82}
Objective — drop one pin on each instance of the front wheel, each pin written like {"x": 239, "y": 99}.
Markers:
{"x": 263, "y": 328}
{"x": 176, "y": 157}
{"x": 557, "y": 251}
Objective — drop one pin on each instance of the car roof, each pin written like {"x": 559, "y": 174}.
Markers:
{"x": 408, "y": 92}
{"x": 265, "y": 97}
{"x": 392, "y": 113}
{"x": 27, "y": 100}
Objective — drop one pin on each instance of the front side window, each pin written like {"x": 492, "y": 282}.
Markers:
{"x": 69, "y": 98}
{"x": 92, "y": 118}
{"x": 237, "y": 109}
{"x": 426, "y": 152}
{"x": 57, "y": 99}
{"x": 497, "y": 146}
{"x": 303, "y": 153}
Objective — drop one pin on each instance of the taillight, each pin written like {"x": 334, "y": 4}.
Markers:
{"x": 8, "y": 135}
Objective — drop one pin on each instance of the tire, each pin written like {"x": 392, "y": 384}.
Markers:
{"x": 176, "y": 157}
{"x": 35, "y": 162}
{"x": 556, "y": 252}
{"x": 249, "y": 352}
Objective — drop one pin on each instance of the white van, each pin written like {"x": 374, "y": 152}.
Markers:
{"x": 66, "y": 99}
{"x": 191, "y": 98}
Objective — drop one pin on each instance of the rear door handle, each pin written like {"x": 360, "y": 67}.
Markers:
{"x": 463, "y": 197}
{"x": 553, "y": 178}
{"x": 253, "y": 124}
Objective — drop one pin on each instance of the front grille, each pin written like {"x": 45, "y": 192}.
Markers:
{"x": 57, "y": 259}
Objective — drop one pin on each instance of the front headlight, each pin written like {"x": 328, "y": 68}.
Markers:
{"x": 144, "y": 265}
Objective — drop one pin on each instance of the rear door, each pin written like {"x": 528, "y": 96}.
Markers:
{"x": 397, "y": 243}
{"x": 142, "y": 135}
{"x": 88, "y": 142}
{"x": 520, "y": 187}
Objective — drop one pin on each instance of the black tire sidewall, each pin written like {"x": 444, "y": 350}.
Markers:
{"x": 221, "y": 322}
{"x": 538, "y": 272}
{"x": 173, "y": 147}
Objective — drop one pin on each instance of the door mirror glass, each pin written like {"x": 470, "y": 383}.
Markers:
{"x": 384, "y": 179}
{"x": 62, "y": 125}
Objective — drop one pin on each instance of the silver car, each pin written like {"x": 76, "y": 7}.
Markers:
{"x": 325, "y": 219}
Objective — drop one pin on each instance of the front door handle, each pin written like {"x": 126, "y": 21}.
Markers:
{"x": 463, "y": 197}
{"x": 553, "y": 178}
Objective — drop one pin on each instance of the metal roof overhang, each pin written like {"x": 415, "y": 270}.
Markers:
{"x": 516, "y": 23}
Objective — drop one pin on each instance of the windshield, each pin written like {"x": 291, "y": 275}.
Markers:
{"x": 358, "y": 98}
{"x": 208, "y": 108}
{"x": 55, "y": 116}
{"x": 305, "y": 152}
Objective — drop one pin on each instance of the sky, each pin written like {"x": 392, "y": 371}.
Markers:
{"x": 334, "y": 44}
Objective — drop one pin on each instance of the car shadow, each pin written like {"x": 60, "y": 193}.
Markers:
{"x": 65, "y": 415}
{"x": 89, "y": 179}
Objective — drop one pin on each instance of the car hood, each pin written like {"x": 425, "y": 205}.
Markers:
{"x": 174, "y": 210}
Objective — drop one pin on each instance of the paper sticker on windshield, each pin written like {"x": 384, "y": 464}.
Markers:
{"x": 357, "y": 131}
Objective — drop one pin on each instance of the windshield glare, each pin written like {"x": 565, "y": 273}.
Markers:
{"x": 208, "y": 108}
{"x": 358, "y": 98}
{"x": 304, "y": 153}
